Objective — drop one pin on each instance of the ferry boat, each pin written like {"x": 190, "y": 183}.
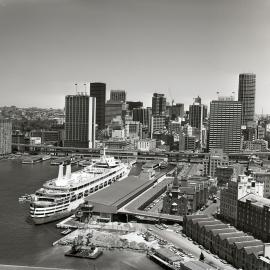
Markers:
{"x": 60, "y": 197}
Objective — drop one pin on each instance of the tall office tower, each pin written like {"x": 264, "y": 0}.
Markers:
{"x": 158, "y": 104}
{"x": 225, "y": 124}
{"x": 197, "y": 113}
{"x": 143, "y": 115}
{"x": 134, "y": 105}
{"x": 246, "y": 95}
{"x": 113, "y": 109}
{"x": 5, "y": 136}
{"x": 177, "y": 110}
{"x": 80, "y": 123}
{"x": 118, "y": 95}
{"x": 98, "y": 90}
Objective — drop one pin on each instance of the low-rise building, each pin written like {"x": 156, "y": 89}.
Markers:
{"x": 255, "y": 145}
{"x": 216, "y": 158}
{"x": 236, "y": 247}
{"x": 146, "y": 145}
{"x": 264, "y": 177}
{"x": 253, "y": 216}
{"x": 186, "y": 196}
{"x": 237, "y": 189}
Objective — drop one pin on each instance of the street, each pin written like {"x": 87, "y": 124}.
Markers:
{"x": 188, "y": 246}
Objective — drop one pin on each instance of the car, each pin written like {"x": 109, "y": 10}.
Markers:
{"x": 207, "y": 251}
{"x": 216, "y": 256}
{"x": 201, "y": 247}
{"x": 223, "y": 261}
{"x": 150, "y": 229}
{"x": 189, "y": 239}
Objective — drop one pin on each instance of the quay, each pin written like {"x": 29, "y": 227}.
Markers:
{"x": 33, "y": 159}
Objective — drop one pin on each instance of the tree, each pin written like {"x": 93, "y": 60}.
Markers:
{"x": 213, "y": 190}
{"x": 202, "y": 257}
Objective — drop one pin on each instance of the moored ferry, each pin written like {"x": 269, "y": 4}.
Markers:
{"x": 60, "y": 197}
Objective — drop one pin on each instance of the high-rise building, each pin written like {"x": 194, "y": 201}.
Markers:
{"x": 197, "y": 113}
{"x": 113, "y": 109}
{"x": 246, "y": 95}
{"x": 176, "y": 111}
{"x": 158, "y": 104}
{"x": 118, "y": 95}
{"x": 143, "y": 115}
{"x": 225, "y": 124}
{"x": 134, "y": 105}
{"x": 80, "y": 124}
{"x": 5, "y": 136}
{"x": 98, "y": 90}
{"x": 158, "y": 124}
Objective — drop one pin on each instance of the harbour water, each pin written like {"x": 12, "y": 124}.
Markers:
{"x": 23, "y": 243}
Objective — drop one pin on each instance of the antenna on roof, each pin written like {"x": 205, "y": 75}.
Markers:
{"x": 76, "y": 88}
{"x": 84, "y": 88}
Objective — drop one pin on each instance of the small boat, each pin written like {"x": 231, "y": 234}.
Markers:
{"x": 65, "y": 232}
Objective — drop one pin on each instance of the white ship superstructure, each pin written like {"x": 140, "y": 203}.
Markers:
{"x": 60, "y": 197}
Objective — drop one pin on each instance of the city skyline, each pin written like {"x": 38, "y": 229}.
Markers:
{"x": 179, "y": 48}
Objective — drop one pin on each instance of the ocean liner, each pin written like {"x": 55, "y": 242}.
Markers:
{"x": 60, "y": 197}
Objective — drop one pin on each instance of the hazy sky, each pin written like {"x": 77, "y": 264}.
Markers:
{"x": 182, "y": 48}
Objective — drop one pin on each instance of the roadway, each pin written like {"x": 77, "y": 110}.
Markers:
{"x": 172, "y": 154}
{"x": 188, "y": 246}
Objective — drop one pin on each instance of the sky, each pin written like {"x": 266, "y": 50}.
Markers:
{"x": 182, "y": 48}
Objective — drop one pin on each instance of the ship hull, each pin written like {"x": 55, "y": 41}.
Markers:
{"x": 48, "y": 219}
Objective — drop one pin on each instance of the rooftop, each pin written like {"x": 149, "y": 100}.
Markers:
{"x": 198, "y": 265}
{"x": 119, "y": 191}
{"x": 256, "y": 200}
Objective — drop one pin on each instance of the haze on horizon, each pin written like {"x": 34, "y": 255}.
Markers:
{"x": 182, "y": 48}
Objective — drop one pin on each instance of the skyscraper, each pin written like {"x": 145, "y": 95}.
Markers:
{"x": 80, "y": 122}
{"x": 5, "y": 136}
{"x": 143, "y": 115}
{"x": 246, "y": 95}
{"x": 197, "y": 113}
{"x": 158, "y": 104}
{"x": 118, "y": 95}
{"x": 225, "y": 124}
{"x": 98, "y": 90}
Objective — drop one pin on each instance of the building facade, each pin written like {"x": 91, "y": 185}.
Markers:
{"x": 98, "y": 90}
{"x": 237, "y": 248}
{"x": 246, "y": 95}
{"x": 143, "y": 115}
{"x": 197, "y": 114}
{"x": 5, "y": 136}
{"x": 237, "y": 189}
{"x": 216, "y": 158}
{"x": 253, "y": 216}
{"x": 225, "y": 125}
{"x": 80, "y": 121}
{"x": 185, "y": 196}
{"x": 146, "y": 145}
{"x": 118, "y": 95}
{"x": 113, "y": 109}
{"x": 158, "y": 104}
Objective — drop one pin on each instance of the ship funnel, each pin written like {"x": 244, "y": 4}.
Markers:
{"x": 68, "y": 171}
{"x": 60, "y": 173}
